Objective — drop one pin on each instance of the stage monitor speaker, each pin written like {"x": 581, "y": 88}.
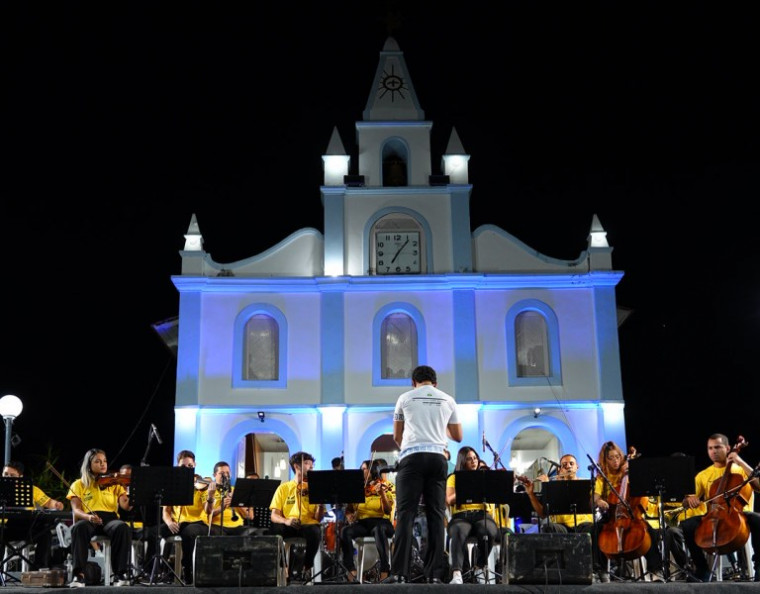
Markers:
{"x": 239, "y": 561}
{"x": 439, "y": 180}
{"x": 547, "y": 558}
{"x": 353, "y": 181}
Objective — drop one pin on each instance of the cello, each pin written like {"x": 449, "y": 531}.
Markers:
{"x": 625, "y": 535}
{"x": 723, "y": 528}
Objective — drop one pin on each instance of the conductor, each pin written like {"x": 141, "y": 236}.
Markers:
{"x": 423, "y": 420}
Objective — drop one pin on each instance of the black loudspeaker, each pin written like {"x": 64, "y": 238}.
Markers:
{"x": 547, "y": 558}
{"x": 353, "y": 181}
{"x": 239, "y": 561}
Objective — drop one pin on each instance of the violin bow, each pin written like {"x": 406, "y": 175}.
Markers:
{"x": 68, "y": 486}
{"x": 369, "y": 469}
{"x": 299, "y": 491}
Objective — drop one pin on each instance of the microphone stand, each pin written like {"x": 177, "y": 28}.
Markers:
{"x": 593, "y": 468}
{"x": 609, "y": 484}
{"x": 151, "y": 435}
{"x": 496, "y": 458}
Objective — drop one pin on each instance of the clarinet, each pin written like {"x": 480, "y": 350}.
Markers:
{"x": 226, "y": 488}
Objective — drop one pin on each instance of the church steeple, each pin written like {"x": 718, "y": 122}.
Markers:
{"x": 335, "y": 161}
{"x": 392, "y": 96}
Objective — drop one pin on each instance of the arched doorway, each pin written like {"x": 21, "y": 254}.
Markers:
{"x": 532, "y": 448}
{"x": 266, "y": 454}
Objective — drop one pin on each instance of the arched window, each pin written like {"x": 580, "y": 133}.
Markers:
{"x": 531, "y": 344}
{"x": 533, "y": 355}
{"x": 395, "y": 163}
{"x": 399, "y": 337}
{"x": 260, "y": 345}
{"x": 398, "y": 355}
{"x": 262, "y": 339}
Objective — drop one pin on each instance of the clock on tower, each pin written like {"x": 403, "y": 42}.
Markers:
{"x": 397, "y": 252}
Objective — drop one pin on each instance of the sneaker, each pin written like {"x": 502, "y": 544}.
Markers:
{"x": 604, "y": 577}
{"x": 77, "y": 582}
{"x": 456, "y": 577}
{"x": 395, "y": 579}
{"x": 657, "y": 576}
{"x": 122, "y": 580}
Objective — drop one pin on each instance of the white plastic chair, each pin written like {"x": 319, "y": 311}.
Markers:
{"x": 104, "y": 544}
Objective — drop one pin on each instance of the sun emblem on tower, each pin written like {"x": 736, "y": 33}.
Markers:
{"x": 391, "y": 83}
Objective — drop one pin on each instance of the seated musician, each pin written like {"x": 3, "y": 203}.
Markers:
{"x": 95, "y": 505}
{"x": 37, "y": 530}
{"x": 563, "y": 523}
{"x": 722, "y": 455}
{"x": 614, "y": 465}
{"x": 468, "y": 519}
{"x": 229, "y": 520}
{"x": 371, "y": 517}
{"x": 292, "y": 513}
{"x": 189, "y": 521}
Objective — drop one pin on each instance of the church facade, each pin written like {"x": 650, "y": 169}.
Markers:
{"x": 312, "y": 341}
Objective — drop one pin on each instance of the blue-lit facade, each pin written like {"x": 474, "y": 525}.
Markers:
{"x": 329, "y": 300}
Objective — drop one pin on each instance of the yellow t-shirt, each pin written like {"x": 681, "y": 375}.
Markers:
{"x": 373, "y": 504}
{"x": 294, "y": 502}
{"x": 95, "y": 499}
{"x": 193, "y": 512}
{"x": 712, "y": 474}
{"x": 233, "y": 517}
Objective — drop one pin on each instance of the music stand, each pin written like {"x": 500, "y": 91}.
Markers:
{"x": 160, "y": 486}
{"x": 568, "y": 497}
{"x": 484, "y": 486}
{"x": 15, "y": 492}
{"x": 336, "y": 487}
{"x": 254, "y": 493}
{"x": 521, "y": 506}
{"x": 670, "y": 478}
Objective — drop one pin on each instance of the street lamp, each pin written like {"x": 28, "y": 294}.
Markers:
{"x": 10, "y": 407}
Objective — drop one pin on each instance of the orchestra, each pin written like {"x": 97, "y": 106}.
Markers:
{"x": 716, "y": 516}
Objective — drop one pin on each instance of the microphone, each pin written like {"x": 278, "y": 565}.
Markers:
{"x": 552, "y": 462}
{"x": 484, "y": 442}
{"x": 155, "y": 432}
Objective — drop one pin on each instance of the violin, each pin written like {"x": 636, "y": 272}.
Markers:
{"x": 375, "y": 487}
{"x": 625, "y": 535}
{"x": 724, "y": 527}
{"x": 114, "y": 478}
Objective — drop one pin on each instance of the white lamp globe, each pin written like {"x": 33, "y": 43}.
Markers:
{"x": 11, "y": 406}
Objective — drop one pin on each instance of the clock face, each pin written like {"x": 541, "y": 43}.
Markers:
{"x": 397, "y": 252}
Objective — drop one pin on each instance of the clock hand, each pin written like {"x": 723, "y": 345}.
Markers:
{"x": 399, "y": 250}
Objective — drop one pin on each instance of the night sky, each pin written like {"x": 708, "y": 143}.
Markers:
{"x": 120, "y": 120}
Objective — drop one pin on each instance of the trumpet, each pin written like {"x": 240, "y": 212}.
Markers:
{"x": 564, "y": 476}
{"x": 672, "y": 516}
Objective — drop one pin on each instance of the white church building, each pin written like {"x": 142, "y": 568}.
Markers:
{"x": 307, "y": 345}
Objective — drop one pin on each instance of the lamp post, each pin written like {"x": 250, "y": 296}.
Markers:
{"x": 10, "y": 407}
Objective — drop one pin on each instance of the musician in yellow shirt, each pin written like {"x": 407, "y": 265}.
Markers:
{"x": 294, "y": 515}
{"x": 37, "y": 530}
{"x": 189, "y": 521}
